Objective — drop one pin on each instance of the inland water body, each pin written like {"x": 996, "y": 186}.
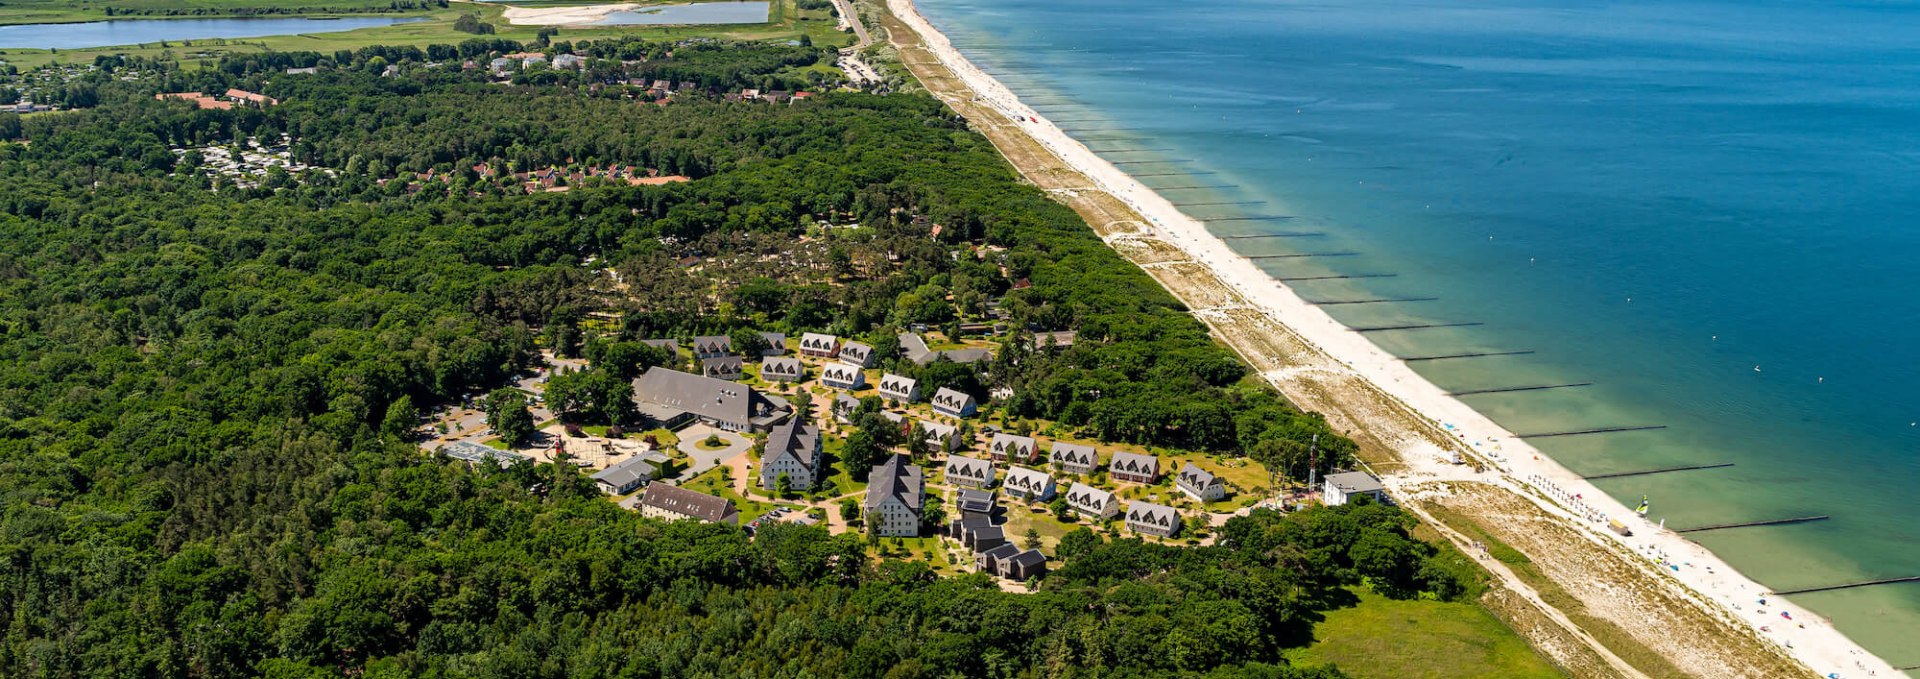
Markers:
{"x": 1707, "y": 212}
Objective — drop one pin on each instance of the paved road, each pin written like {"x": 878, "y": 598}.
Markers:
{"x": 853, "y": 19}
{"x": 703, "y": 460}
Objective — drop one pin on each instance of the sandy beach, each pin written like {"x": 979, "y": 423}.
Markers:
{"x": 1333, "y": 354}
{"x": 562, "y": 16}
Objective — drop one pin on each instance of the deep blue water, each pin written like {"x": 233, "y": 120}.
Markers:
{"x": 1658, "y": 198}
{"x": 137, "y": 31}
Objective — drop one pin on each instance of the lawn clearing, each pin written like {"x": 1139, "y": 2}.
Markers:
{"x": 1388, "y": 639}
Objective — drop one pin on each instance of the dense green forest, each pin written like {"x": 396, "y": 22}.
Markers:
{"x": 201, "y": 382}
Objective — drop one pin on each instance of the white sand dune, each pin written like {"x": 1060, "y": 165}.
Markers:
{"x": 562, "y": 16}
{"x": 1807, "y": 637}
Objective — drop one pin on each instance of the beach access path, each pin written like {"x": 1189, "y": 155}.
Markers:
{"x": 1598, "y": 604}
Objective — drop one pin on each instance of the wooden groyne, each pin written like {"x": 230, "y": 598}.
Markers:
{"x": 1662, "y": 470}
{"x": 1172, "y": 174}
{"x": 1291, "y": 234}
{"x": 1751, "y": 524}
{"x": 1146, "y": 162}
{"x": 1383, "y": 300}
{"x": 1530, "y": 387}
{"x": 1850, "y": 585}
{"x": 1195, "y": 186}
{"x": 1582, "y": 432}
{"x": 1255, "y": 218}
{"x": 1482, "y": 354}
{"x": 1418, "y": 326}
{"x": 1223, "y": 202}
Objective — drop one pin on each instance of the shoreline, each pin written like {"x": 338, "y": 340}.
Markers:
{"x": 1518, "y": 467}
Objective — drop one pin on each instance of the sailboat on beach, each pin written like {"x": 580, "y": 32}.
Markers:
{"x": 1644, "y": 505}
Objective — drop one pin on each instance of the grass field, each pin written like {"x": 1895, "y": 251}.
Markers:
{"x": 789, "y": 23}
{"x": 1381, "y": 638}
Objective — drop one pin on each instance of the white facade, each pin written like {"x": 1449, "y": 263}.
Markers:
{"x": 1028, "y": 484}
{"x": 1092, "y": 502}
{"x": 899, "y": 389}
{"x": 953, "y": 403}
{"x": 843, "y": 376}
{"x": 1341, "y": 488}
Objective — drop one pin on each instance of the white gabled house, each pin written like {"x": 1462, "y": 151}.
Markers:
{"x": 1011, "y": 447}
{"x": 899, "y": 389}
{"x": 1133, "y": 467}
{"x": 1074, "y": 458}
{"x": 1092, "y": 502}
{"x": 969, "y": 472}
{"x": 1200, "y": 484}
{"x": 1028, "y": 484}
{"x": 792, "y": 449}
{"x": 943, "y": 437}
{"x": 712, "y": 346}
{"x": 1152, "y": 519}
{"x": 729, "y": 368}
{"x": 822, "y": 346}
{"x": 952, "y": 403}
{"x": 843, "y": 376}
{"x": 895, "y": 491}
{"x": 857, "y": 354}
{"x": 784, "y": 369}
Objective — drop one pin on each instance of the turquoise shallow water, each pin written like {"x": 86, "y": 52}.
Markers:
{"x": 1656, "y": 199}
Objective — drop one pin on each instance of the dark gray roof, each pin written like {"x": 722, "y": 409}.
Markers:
{"x": 1003, "y": 551}
{"x": 795, "y": 440}
{"x": 627, "y": 472}
{"x": 725, "y": 364}
{"x": 776, "y": 342}
{"x": 687, "y": 503}
{"x": 707, "y": 344}
{"x": 701, "y": 395}
{"x": 1088, "y": 496}
{"x": 897, "y": 477}
{"x": 1028, "y": 559}
{"x": 915, "y": 349}
{"x": 976, "y": 500}
{"x": 856, "y": 350}
{"x": 974, "y": 355}
{"x": 669, "y": 345}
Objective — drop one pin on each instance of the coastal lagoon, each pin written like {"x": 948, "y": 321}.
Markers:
{"x": 138, "y": 31}
{"x": 1700, "y": 208}
{"x": 693, "y": 14}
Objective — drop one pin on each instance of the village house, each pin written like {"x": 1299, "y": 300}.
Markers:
{"x": 1148, "y": 518}
{"x": 1028, "y": 484}
{"x": 1092, "y": 502}
{"x": 899, "y": 389}
{"x": 669, "y": 345}
{"x": 976, "y": 533}
{"x": 843, "y": 407}
{"x": 1011, "y": 447}
{"x": 1022, "y": 567}
{"x": 782, "y": 370}
{"x": 1053, "y": 340}
{"x": 1200, "y": 484}
{"x": 793, "y": 449}
{"x": 969, "y": 472}
{"x": 988, "y": 561}
{"x": 1342, "y": 487}
{"x": 729, "y": 368}
{"x": 673, "y": 503}
{"x": 776, "y": 344}
{"x": 974, "y": 502}
{"x": 712, "y": 346}
{"x": 818, "y": 345}
{"x": 915, "y": 348}
{"x": 895, "y": 490}
{"x": 1074, "y": 458}
{"x": 246, "y": 98}
{"x": 568, "y": 61}
{"x": 624, "y": 476}
{"x": 1133, "y": 467}
{"x": 843, "y": 376}
{"x": 857, "y": 354}
{"x": 953, "y": 403}
{"x": 943, "y": 437}
{"x": 669, "y": 398}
